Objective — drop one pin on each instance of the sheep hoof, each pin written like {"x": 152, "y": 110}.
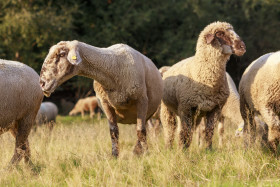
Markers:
{"x": 139, "y": 149}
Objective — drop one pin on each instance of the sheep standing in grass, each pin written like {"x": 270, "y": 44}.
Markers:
{"x": 196, "y": 87}
{"x": 85, "y": 104}
{"x": 20, "y": 97}
{"x": 47, "y": 114}
{"x": 127, "y": 83}
{"x": 259, "y": 90}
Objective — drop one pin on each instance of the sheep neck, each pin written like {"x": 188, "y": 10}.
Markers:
{"x": 98, "y": 64}
{"x": 210, "y": 67}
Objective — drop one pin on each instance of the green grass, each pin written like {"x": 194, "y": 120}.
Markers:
{"x": 78, "y": 153}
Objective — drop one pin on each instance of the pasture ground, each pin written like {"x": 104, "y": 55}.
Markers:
{"x": 78, "y": 153}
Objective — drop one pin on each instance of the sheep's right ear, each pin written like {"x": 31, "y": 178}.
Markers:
{"x": 209, "y": 38}
{"x": 74, "y": 56}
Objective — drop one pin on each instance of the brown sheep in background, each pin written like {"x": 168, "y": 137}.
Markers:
{"x": 20, "y": 97}
{"x": 85, "y": 105}
{"x": 197, "y": 87}
{"x": 127, "y": 83}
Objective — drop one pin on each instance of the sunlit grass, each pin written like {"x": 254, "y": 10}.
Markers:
{"x": 78, "y": 153}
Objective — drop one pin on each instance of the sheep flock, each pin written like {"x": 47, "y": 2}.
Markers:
{"x": 195, "y": 94}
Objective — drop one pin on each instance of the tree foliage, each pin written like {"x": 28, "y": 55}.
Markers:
{"x": 166, "y": 31}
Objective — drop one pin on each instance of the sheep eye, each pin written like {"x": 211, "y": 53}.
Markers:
{"x": 62, "y": 54}
{"x": 220, "y": 34}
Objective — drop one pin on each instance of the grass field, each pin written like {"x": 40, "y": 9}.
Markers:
{"x": 78, "y": 153}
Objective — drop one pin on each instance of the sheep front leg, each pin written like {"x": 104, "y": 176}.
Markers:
{"x": 141, "y": 144}
{"x": 185, "y": 136}
{"x": 211, "y": 119}
{"x": 114, "y": 129}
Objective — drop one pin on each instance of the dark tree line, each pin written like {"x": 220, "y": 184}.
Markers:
{"x": 164, "y": 30}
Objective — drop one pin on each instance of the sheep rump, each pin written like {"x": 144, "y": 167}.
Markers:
{"x": 20, "y": 97}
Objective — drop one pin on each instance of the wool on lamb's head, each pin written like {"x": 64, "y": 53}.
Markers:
{"x": 221, "y": 39}
{"x": 59, "y": 65}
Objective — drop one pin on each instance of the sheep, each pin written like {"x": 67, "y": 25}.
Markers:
{"x": 127, "y": 84}
{"x": 231, "y": 111}
{"x": 196, "y": 87}
{"x": 85, "y": 104}
{"x": 20, "y": 97}
{"x": 259, "y": 95}
{"x": 47, "y": 114}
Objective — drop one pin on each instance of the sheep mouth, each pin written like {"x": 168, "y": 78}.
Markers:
{"x": 49, "y": 88}
{"x": 239, "y": 48}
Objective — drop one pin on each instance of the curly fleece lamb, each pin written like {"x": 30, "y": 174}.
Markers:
{"x": 196, "y": 87}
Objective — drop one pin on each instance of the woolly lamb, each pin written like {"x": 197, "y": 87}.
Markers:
{"x": 127, "y": 83}
{"x": 85, "y": 104}
{"x": 47, "y": 114}
{"x": 196, "y": 87}
{"x": 259, "y": 95}
{"x": 20, "y": 97}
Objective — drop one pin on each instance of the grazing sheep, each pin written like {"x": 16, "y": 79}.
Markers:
{"x": 47, "y": 114}
{"x": 259, "y": 90}
{"x": 127, "y": 83}
{"x": 85, "y": 104}
{"x": 20, "y": 97}
{"x": 196, "y": 87}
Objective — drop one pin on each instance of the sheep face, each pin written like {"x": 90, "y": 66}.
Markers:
{"x": 59, "y": 66}
{"x": 229, "y": 41}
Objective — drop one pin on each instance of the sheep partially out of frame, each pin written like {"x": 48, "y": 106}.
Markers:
{"x": 259, "y": 90}
{"x": 20, "y": 97}
{"x": 127, "y": 83}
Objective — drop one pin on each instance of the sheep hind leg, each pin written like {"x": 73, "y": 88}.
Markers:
{"x": 248, "y": 117}
{"x": 22, "y": 149}
{"x": 168, "y": 120}
{"x": 141, "y": 144}
{"x": 273, "y": 122}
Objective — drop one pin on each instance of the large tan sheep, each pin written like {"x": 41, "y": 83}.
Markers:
{"x": 20, "y": 97}
{"x": 84, "y": 105}
{"x": 196, "y": 87}
{"x": 47, "y": 114}
{"x": 259, "y": 90}
{"x": 127, "y": 83}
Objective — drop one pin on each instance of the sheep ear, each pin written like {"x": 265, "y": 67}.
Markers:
{"x": 209, "y": 38}
{"x": 74, "y": 56}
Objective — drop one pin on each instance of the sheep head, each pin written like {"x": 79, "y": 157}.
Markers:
{"x": 221, "y": 36}
{"x": 60, "y": 65}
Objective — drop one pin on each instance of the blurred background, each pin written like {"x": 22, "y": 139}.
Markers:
{"x": 164, "y": 30}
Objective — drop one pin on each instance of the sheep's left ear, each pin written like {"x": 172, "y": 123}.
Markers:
{"x": 209, "y": 38}
{"x": 74, "y": 56}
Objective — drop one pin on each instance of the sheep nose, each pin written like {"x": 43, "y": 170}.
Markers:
{"x": 242, "y": 45}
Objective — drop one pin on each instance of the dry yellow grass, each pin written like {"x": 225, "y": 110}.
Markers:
{"x": 78, "y": 153}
